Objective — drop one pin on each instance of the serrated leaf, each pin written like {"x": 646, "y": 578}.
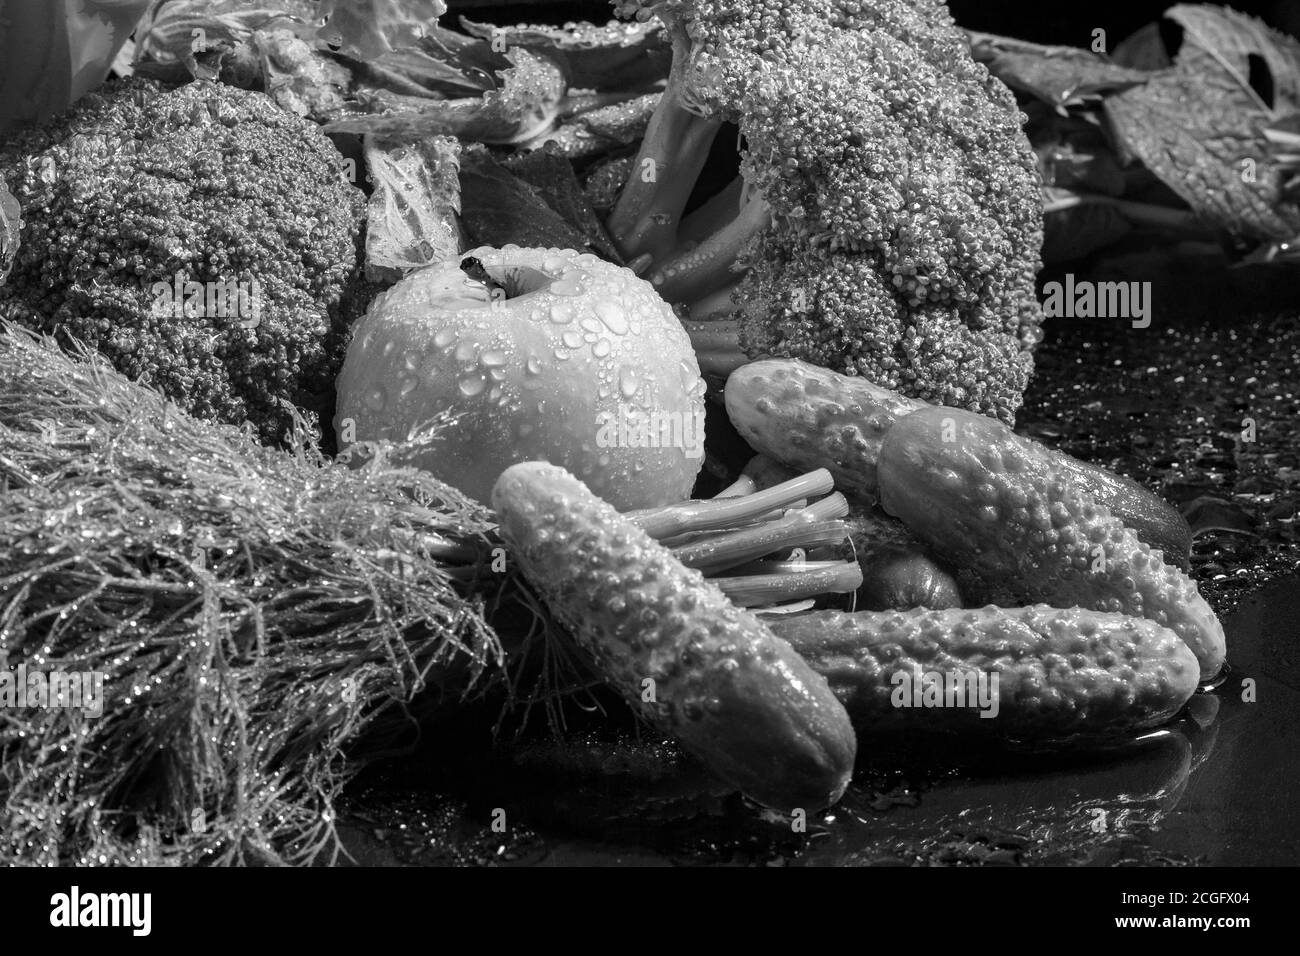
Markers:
{"x": 411, "y": 217}
{"x": 1060, "y": 76}
{"x": 618, "y": 55}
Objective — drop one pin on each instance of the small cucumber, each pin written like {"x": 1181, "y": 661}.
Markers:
{"x": 809, "y": 417}
{"x": 1003, "y": 507}
{"x": 898, "y": 572}
{"x": 1060, "y": 672}
{"x": 682, "y": 655}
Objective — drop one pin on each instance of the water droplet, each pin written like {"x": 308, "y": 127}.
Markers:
{"x": 572, "y": 339}
{"x": 591, "y": 325}
{"x": 628, "y": 382}
{"x": 443, "y": 338}
{"x": 498, "y": 374}
{"x": 562, "y": 313}
{"x": 411, "y": 361}
{"x": 554, "y": 264}
{"x": 408, "y": 385}
{"x": 601, "y": 348}
{"x": 612, "y": 315}
{"x": 377, "y": 398}
{"x": 534, "y": 365}
{"x": 471, "y": 385}
{"x": 569, "y": 284}
{"x": 493, "y": 358}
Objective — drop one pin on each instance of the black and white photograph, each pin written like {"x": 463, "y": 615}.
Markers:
{"x": 815, "y": 434}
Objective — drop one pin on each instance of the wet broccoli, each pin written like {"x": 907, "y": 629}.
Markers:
{"x": 208, "y": 190}
{"x": 887, "y": 220}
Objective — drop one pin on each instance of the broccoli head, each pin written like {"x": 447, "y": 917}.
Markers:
{"x": 202, "y": 238}
{"x": 888, "y": 217}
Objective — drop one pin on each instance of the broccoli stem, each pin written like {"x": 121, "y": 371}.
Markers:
{"x": 711, "y": 265}
{"x": 648, "y": 214}
{"x": 717, "y": 346}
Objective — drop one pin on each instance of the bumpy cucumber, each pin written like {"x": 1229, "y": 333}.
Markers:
{"x": 898, "y": 572}
{"x": 731, "y": 692}
{"x": 988, "y": 500}
{"x": 1060, "y": 672}
{"x": 810, "y": 417}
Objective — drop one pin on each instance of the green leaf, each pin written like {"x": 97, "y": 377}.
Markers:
{"x": 10, "y": 225}
{"x": 367, "y": 29}
{"x": 497, "y": 208}
{"x": 1201, "y": 126}
{"x": 617, "y": 55}
{"x": 411, "y": 218}
{"x": 551, "y": 174}
{"x": 1060, "y": 76}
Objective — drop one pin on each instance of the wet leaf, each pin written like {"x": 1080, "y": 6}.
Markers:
{"x": 1201, "y": 126}
{"x": 524, "y": 107}
{"x": 411, "y": 219}
{"x": 618, "y": 55}
{"x": 10, "y": 224}
{"x": 497, "y": 208}
{"x": 551, "y": 174}
{"x": 1058, "y": 75}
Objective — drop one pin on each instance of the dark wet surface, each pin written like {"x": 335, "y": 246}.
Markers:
{"x": 1165, "y": 405}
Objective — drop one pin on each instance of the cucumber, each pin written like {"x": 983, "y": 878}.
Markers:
{"x": 898, "y": 571}
{"x": 684, "y": 657}
{"x": 1060, "y": 672}
{"x": 1002, "y": 506}
{"x": 798, "y": 413}
{"x": 809, "y": 417}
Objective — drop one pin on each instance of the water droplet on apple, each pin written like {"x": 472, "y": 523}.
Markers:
{"x": 471, "y": 385}
{"x": 572, "y": 339}
{"x": 444, "y": 337}
{"x": 533, "y": 366}
{"x": 628, "y": 382}
{"x": 601, "y": 348}
{"x": 569, "y": 284}
{"x": 612, "y": 315}
{"x": 377, "y": 398}
{"x": 561, "y": 313}
{"x": 554, "y": 264}
{"x": 408, "y": 385}
{"x": 465, "y": 351}
{"x": 493, "y": 357}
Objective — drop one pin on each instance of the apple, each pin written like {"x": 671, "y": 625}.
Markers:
{"x": 524, "y": 355}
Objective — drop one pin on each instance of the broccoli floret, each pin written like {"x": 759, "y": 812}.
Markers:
{"x": 889, "y": 212}
{"x": 137, "y": 189}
